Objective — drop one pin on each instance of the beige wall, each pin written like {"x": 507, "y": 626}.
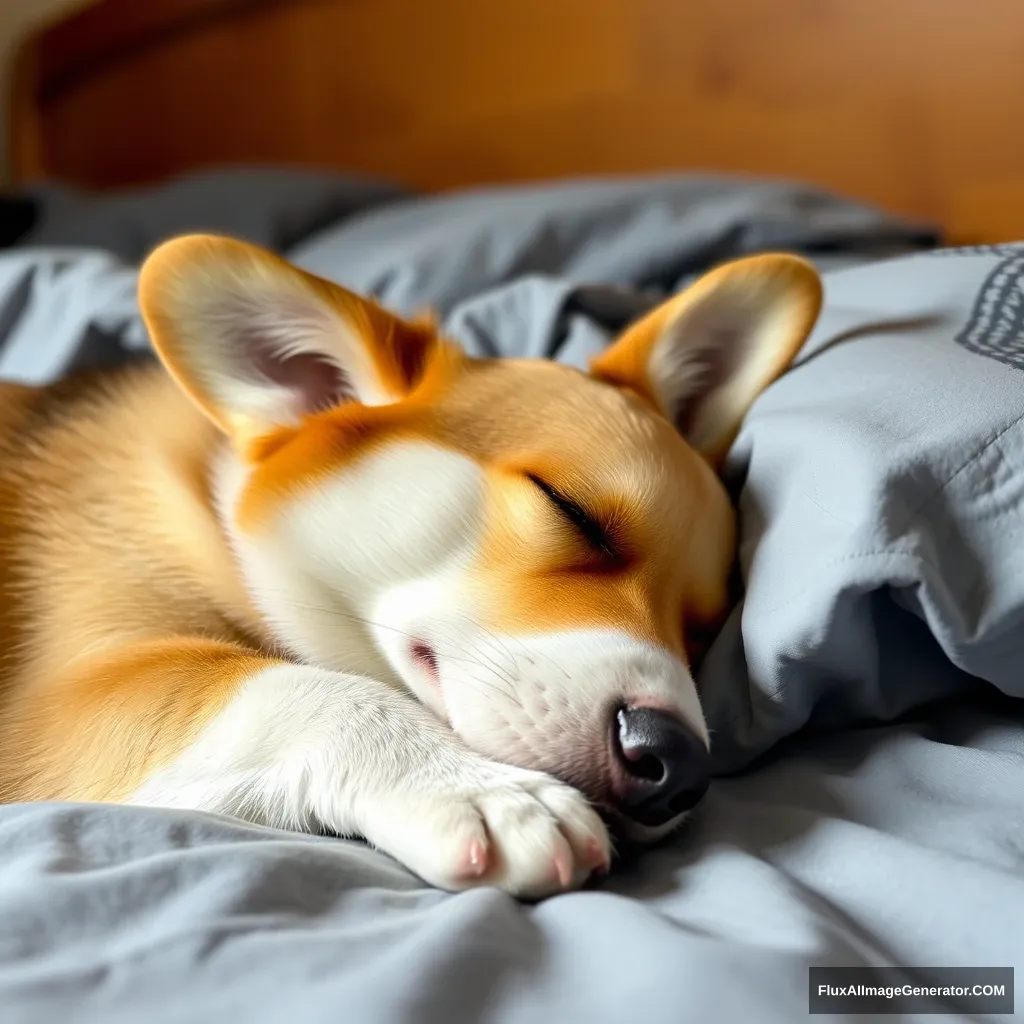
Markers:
{"x": 16, "y": 18}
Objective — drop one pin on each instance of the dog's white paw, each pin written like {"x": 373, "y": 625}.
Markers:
{"x": 493, "y": 824}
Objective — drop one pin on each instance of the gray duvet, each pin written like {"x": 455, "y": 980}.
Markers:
{"x": 866, "y": 697}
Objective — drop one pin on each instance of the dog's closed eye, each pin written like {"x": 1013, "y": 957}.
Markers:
{"x": 585, "y": 524}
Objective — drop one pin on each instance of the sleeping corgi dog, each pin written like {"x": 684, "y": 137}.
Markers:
{"x": 321, "y": 570}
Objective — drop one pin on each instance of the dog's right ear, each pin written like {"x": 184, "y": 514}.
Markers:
{"x": 259, "y": 344}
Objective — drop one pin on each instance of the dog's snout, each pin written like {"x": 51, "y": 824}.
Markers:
{"x": 661, "y": 766}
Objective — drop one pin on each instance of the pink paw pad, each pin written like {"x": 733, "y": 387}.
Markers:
{"x": 597, "y": 858}
{"x": 474, "y": 860}
{"x": 563, "y": 867}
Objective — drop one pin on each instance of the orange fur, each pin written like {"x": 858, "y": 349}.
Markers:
{"x": 106, "y": 721}
{"x": 109, "y": 549}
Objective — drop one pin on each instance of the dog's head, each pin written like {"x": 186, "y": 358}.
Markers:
{"x": 535, "y": 552}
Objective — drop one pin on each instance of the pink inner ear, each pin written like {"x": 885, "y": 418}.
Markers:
{"x": 317, "y": 381}
{"x": 707, "y": 370}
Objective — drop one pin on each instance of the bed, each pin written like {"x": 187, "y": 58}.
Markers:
{"x": 541, "y": 174}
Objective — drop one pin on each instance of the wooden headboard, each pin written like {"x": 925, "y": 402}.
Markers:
{"x": 917, "y": 105}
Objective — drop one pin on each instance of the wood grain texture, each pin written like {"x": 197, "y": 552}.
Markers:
{"x": 916, "y": 105}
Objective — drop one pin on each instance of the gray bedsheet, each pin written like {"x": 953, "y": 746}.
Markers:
{"x": 865, "y": 697}
{"x": 895, "y": 845}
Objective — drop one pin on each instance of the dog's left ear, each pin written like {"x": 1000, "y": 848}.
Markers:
{"x": 702, "y": 357}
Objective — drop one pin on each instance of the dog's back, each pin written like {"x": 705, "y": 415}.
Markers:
{"x": 106, "y": 523}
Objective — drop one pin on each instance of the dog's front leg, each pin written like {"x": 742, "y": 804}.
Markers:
{"x": 304, "y": 748}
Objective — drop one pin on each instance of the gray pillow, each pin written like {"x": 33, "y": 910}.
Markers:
{"x": 642, "y": 232}
{"x": 273, "y": 207}
{"x": 881, "y": 489}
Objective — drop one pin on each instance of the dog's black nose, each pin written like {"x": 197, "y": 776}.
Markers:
{"x": 662, "y": 766}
